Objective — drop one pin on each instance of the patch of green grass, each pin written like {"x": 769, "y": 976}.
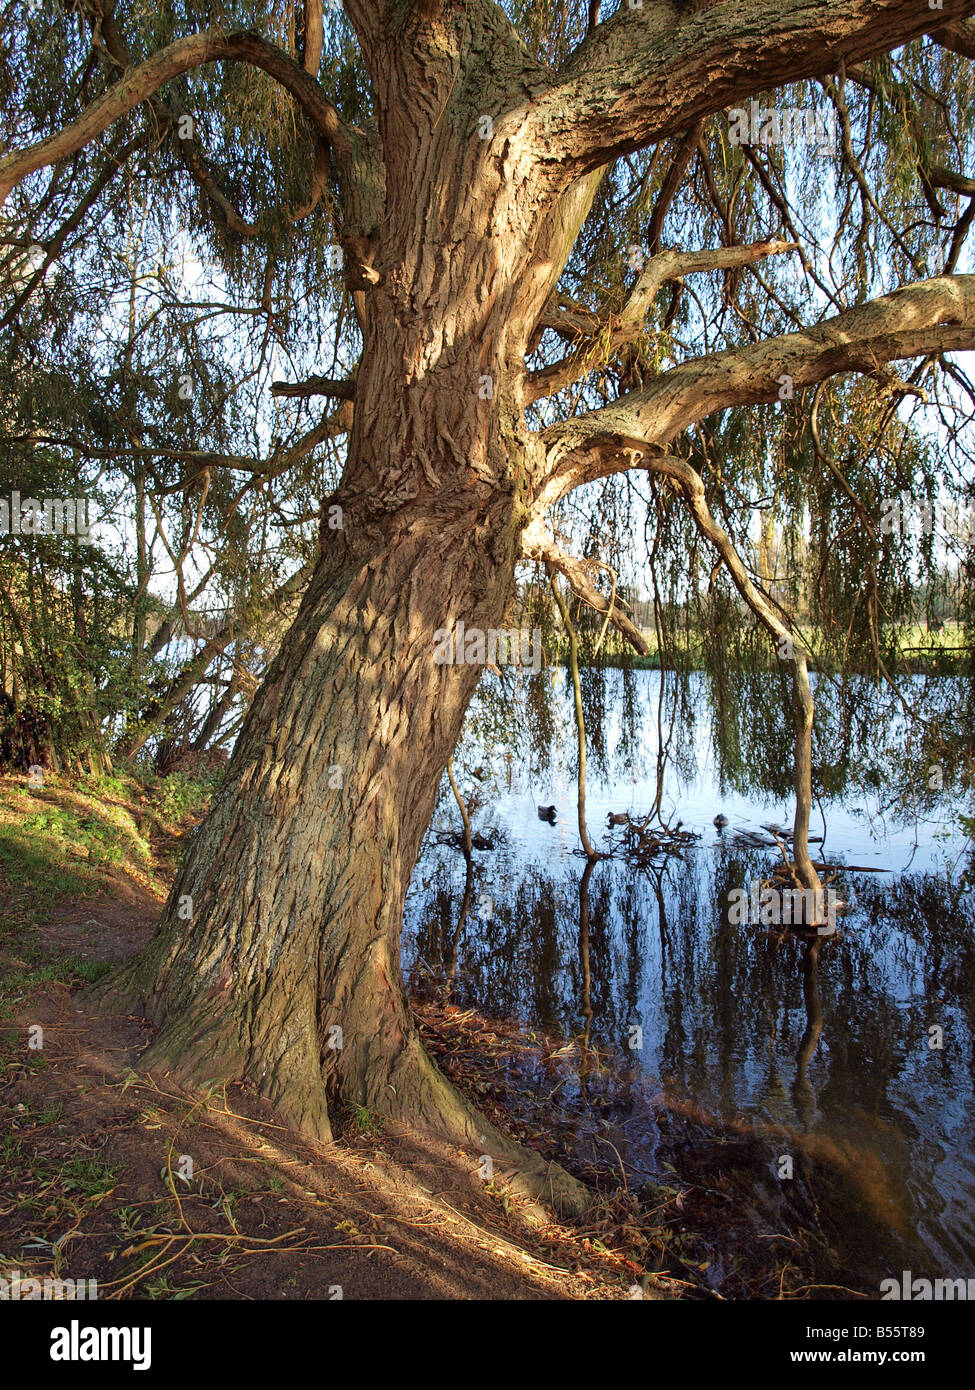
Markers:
{"x": 105, "y": 785}
{"x": 365, "y": 1120}
{"x": 11, "y": 1155}
{"x": 130, "y": 1219}
{"x": 62, "y": 850}
{"x": 163, "y": 1287}
{"x": 88, "y": 1177}
{"x": 18, "y": 982}
{"x": 50, "y": 1115}
{"x": 55, "y": 1192}
{"x": 35, "y": 851}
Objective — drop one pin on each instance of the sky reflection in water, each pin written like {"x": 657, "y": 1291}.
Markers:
{"x": 727, "y": 1015}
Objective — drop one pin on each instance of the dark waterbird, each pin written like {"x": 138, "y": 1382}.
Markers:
{"x": 547, "y": 813}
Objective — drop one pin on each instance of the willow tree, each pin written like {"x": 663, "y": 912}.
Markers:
{"x": 460, "y": 152}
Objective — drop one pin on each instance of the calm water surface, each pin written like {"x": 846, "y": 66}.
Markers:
{"x": 739, "y": 1023}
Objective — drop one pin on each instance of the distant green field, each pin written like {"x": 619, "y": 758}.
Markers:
{"x": 945, "y": 649}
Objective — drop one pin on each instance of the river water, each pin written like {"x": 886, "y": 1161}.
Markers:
{"x": 866, "y": 1052}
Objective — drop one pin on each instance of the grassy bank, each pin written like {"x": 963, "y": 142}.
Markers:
{"x": 920, "y": 651}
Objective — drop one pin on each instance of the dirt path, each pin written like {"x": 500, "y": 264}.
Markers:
{"x": 375, "y": 1216}
{"x": 121, "y": 1177}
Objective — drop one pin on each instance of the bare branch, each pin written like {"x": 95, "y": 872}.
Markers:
{"x": 315, "y": 386}
{"x": 319, "y": 182}
{"x": 569, "y": 319}
{"x": 329, "y": 427}
{"x": 191, "y": 156}
{"x": 628, "y": 326}
{"x": 56, "y": 244}
{"x": 672, "y": 182}
{"x": 689, "y": 485}
{"x": 314, "y": 36}
{"x": 537, "y": 544}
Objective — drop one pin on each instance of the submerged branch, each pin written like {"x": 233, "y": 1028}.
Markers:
{"x": 691, "y": 489}
{"x": 462, "y": 807}
{"x": 563, "y": 608}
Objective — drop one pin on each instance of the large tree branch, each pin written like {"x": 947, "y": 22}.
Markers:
{"x": 959, "y": 37}
{"x": 166, "y": 117}
{"x": 651, "y": 72}
{"x": 932, "y": 317}
{"x": 569, "y": 319}
{"x": 628, "y": 325}
{"x": 940, "y": 177}
{"x": 143, "y": 81}
{"x": 315, "y": 386}
{"x": 552, "y": 249}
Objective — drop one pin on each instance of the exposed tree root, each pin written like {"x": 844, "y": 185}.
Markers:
{"x": 224, "y": 1040}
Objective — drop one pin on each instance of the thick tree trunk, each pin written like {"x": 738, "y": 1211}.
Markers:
{"x": 284, "y": 924}
{"x": 298, "y": 875}
{"x": 457, "y": 215}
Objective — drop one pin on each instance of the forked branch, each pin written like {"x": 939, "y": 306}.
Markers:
{"x": 929, "y": 318}
{"x": 538, "y": 545}
{"x": 628, "y": 325}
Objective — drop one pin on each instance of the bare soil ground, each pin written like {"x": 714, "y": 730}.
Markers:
{"x": 112, "y": 1174}
{"x": 261, "y": 1213}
